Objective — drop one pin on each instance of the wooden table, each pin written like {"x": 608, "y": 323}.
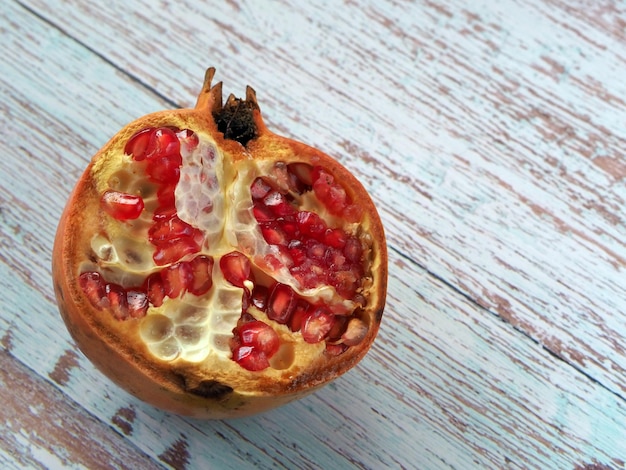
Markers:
{"x": 492, "y": 136}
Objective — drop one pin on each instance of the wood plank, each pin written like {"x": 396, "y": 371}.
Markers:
{"x": 446, "y": 384}
{"x": 488, "y": 127}
{"x": 40, "y": 428}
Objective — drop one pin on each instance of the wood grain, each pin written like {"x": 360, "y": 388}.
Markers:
{"x": 42, "y": 429}
{"x": 490, "y": 135}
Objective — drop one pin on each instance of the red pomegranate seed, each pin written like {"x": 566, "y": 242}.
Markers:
{"x": 353, "y": 250}
{"x": 118, "y": 303}
{"x": 345, "y": 282}
{"x": 297, "y": 252}
{"x": 262, "y": 213}
{"x": 315, "y": 250}
{"x": 273, "y": 234}
{"x": 278, "y": 204}
{"x": 166, "y": 229}
{"x": 165, "y": 169}
{"x": 137, "y": 301}
{"x": 164, "y": 212}
{"x": 317, "y": 324}
{"x": 166, "y": 195}
{"x": 289, "y": 227}
{"x": 93, "y": 286}
{"x": 236, "y": 268}
{"x": 310, "y": 224}
{"x": 176, "y": 279}
{"x": 299, "y": 314}
{"x": 121, "y": 206}
{"x": 259, "y": 297}
{"x": 201, "y": 269}
{"x": 250, "y": 359}
{"x": 281, "y": 304}
{"x": 334, "y": 259}
{"x": 330, "y": 193}
{"x": 155, "y": 291}
{"x": 163, "y": 142}
{"x": 337, "y": 199}
{"x": 260, "y": 336}
{"x": 137, "y": 144}
{"x": 335, "y": 237}
{"x": 259, "y": 188}
{"x": 352, "y": 213}
{"x": 174, "y": 249}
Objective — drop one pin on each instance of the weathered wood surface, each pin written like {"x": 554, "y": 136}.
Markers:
{"x": 492, "y": 137}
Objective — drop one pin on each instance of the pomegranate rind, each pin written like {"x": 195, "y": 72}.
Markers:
{"x": 214, "y": 388}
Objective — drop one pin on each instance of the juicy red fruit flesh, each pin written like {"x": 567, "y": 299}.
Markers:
{"x": 256, "y": 342}
{"x": 236, "y": 268}
{"x": 316, "y": 252}
{"x": 121, "y": 206}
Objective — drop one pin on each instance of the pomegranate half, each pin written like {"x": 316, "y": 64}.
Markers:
{"x": 215, "y": 269}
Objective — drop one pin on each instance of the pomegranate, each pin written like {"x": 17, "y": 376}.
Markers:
{"x": 215, "y": 269}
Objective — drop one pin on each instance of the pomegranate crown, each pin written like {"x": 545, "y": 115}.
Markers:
{"x": 235, "y": 118}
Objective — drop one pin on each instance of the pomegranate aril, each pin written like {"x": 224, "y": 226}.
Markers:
{"x": 121, "y": 206}
{"x": 297, "y": 252}
{"x": 345, "y": 282}
{"x": 137, "y": 301}
{"x": 262, "y": 213}
{"x": 289, "y": 227}
{"x": 155, "y": 291}
{"x": 93, "y": 286}
{"x": 278, "y": 204}
{"x": 259, "y": 188}
{"x": 165, "y": 169}
{"x": 259, "y": 297}
{"x": 164, "y": 212}
{"x": 334, "y": 259}
{"x": 118, "y": 303}
{"x": 281, "y": 304}
{"x": 138, "y": 143}
{"x": 174, "y": 249}
{"x": 315, "y": 250}
{"x": 250, "y": 359}
{"x": 335, "y": 237}
{"x": 353, "y": 250}
{"x": 317, "y": 324}
{"x": 166, "y": 195}
{"x": 330, "y": 193}
{"x": 273, "y": 234}
{"x": 163, "y": 142}
{"x": 260, "y": 336}
{"x": 166, "y": 229}
{"x": 310, "y": 223}
{"x": 352, "y": 213}
{"x": 236, "y": 269}
{"x": 176, "y": 279}
{"x": 299, "y": 314}
{"x": 201, "y": 272}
